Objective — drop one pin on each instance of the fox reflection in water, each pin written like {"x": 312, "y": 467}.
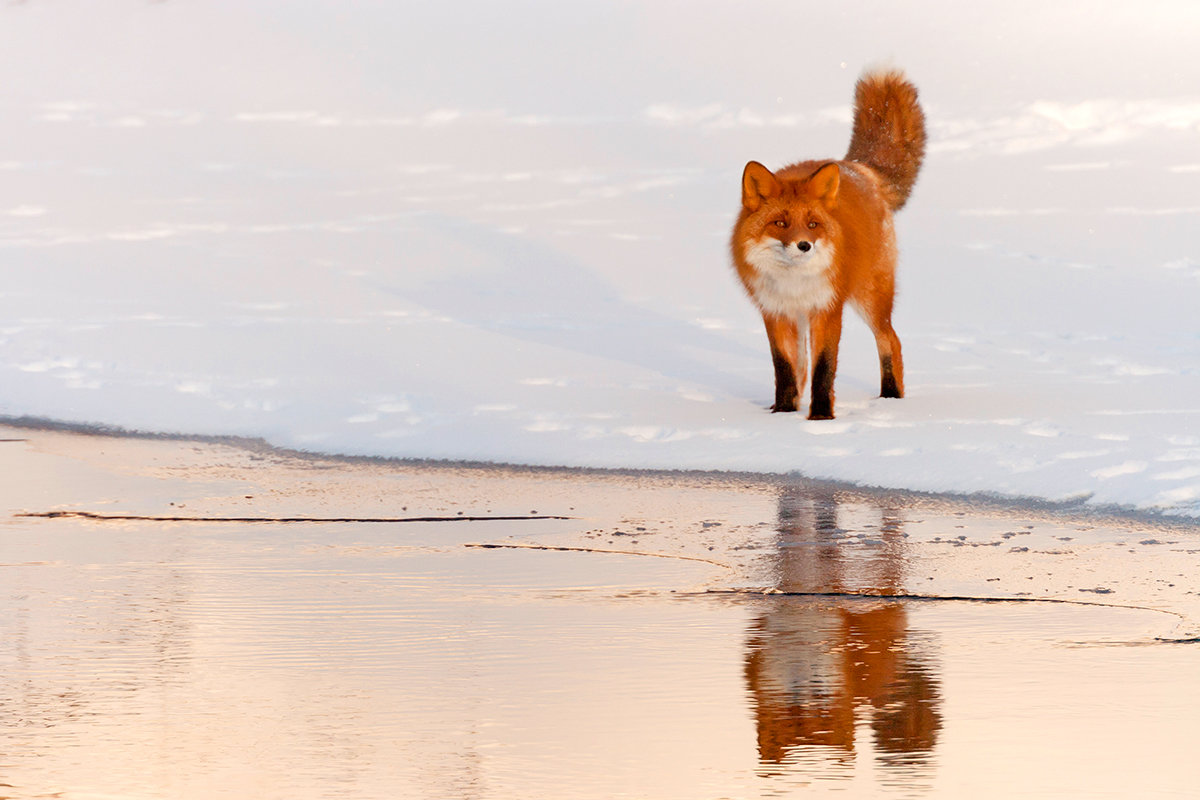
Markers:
{"x": 818, "y": 668}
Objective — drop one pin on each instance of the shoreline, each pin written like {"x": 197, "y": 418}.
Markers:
{"x": 978, "y": 502}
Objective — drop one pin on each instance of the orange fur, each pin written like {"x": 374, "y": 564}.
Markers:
{"x": 818, "y": 234}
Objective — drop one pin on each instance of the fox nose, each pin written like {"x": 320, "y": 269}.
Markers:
{"x": 803, "y": 246}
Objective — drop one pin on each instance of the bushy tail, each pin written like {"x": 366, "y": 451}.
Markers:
{"x": 889, "y": 132}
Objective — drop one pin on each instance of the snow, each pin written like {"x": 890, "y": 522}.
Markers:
{"x": 501, "y": 234}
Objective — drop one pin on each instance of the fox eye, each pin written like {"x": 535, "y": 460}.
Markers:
{"x": 779, "y": 223}
{"x": 812, "y": 224}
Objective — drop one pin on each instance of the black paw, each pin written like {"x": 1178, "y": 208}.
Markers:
{"x": 820, "y": 411}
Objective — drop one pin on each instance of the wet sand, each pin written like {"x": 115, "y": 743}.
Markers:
{"x": 197, "y": 619}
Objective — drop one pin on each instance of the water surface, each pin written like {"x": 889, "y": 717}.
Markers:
{"x": 690, "y": 638}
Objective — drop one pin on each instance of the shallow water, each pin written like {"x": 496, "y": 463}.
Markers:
{"x": 662, "y": 651}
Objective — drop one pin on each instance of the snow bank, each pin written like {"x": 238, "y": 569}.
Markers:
{"x": 403, "y": 234}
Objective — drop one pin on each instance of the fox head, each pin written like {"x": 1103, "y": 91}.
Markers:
{"x": 787, "y": 222}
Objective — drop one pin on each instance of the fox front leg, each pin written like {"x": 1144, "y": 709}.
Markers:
{"x": 826, "y": 328}
{"x": 788, "y": 357}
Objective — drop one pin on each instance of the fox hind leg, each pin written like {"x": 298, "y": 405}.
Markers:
{"x": 891, "y": 362}
{"x": 878, "y": 317}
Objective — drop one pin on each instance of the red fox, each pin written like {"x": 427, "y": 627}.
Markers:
{"x": 818, "y": 234}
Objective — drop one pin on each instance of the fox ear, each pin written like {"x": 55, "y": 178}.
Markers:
{"x": 824, "y": 183}
{"x": 758, "y": 184}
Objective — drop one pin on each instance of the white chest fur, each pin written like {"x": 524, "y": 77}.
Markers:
{"x": 789, "y": 282}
